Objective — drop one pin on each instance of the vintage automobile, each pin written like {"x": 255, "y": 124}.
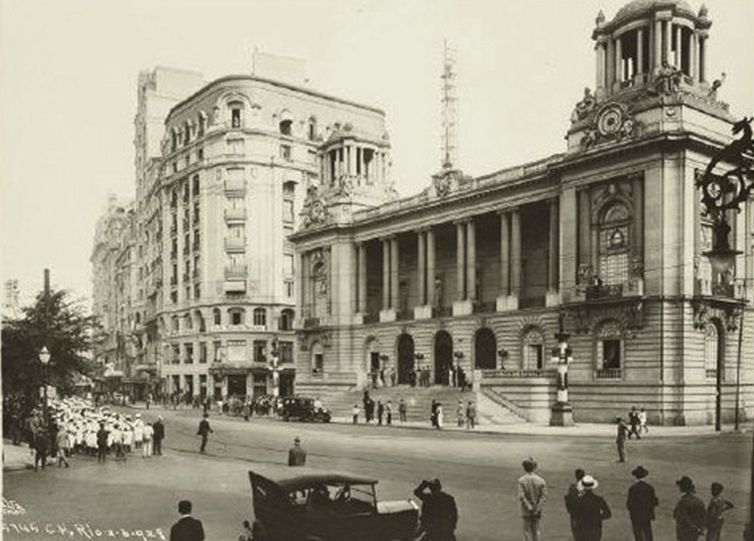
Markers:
{"x": 304, "y": 409}
{"x": 302, "y": 504}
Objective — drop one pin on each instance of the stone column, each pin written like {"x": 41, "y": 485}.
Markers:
{"x": 385, "y": 274}
{"x": 554, "y": 238}
{"x": 516, "y": 252}
{"x": 460, "y": 261}
{"x": 657, "y": 46}
{"x": 702, "y": 58}
{"x": 618, "y": 61}
{"x": 362, "y": 293}
{"x": 300, "y": 286}
{"x": 599, "y": 50}
{"x": 693, "y": 55}
{"x": 471, "y": 260}
{"x": 394, "y": 285}
{"x": 640, "y": 51}
{"x": 669, "y": 41}
{"x": 421, "y": 267}
{"x": 610, "y": 64}
{"x": 678, "y": 47}
{"x": 505, "y": 249}
{"x": 431, "y": 300}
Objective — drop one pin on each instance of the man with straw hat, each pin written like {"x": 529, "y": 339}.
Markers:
{"x": 641, "y": 504}
{"x": 532, "y": 493}
{"x": 590, "y": 511}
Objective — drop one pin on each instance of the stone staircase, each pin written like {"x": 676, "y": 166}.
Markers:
{"x": 418, "y": 401}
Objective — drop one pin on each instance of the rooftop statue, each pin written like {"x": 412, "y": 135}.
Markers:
{"x": 584, "y": 107}
{"x": 667, "y": 80}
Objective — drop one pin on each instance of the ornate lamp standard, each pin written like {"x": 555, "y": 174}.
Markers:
{"x": 274, "y": 368}
{"x": 44, "y": 358}
{"x": 562, "y": 410}
{"x": 721, "y": 194}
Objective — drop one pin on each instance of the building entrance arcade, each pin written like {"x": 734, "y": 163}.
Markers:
{"x": 405, "y": 358}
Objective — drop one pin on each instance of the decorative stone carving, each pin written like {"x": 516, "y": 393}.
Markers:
{"x": 612, "y": 123}
{"x": 716, "y": 84}
{"x": 584, "y": 107}
{"x": 344, "y": 188}
{"x": 314, "y": 211}
{"x": 667, "y": 81}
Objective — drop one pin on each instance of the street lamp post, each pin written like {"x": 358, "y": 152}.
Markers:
{"x": 275, "y": 371}
{"x": 562, "y": 410}
{"x": 44, "y": 358}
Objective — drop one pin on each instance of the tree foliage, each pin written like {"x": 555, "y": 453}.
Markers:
{"x": 60, "y": 324}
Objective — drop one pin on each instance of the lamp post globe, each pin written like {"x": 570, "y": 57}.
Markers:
{"x": 44, "y": 355}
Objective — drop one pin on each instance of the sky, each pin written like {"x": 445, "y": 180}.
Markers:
{"x": 68, "y": 72}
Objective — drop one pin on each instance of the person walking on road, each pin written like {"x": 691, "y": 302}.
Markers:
{"x": 641, "y": 504}
{"x": 439, "y": 512}
{"x": 571, "y": 499}
{"x": 532, "y": 494}
{"x": 187, "y": 528}
{"x": 717, "y": 506}
{"x": 689, "y": 513}
{"x": 620, "y": 439}
{"x": 643, "y": 421}
{"x": 635, "y": 423}
{"x": 158, "y": 435}
{"x": 204, "y": 431}
{"x": 590, "y": 511}
{"x": 297, "y": 454}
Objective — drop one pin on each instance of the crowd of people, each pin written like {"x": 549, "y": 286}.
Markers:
{"x": 75, "y": 425}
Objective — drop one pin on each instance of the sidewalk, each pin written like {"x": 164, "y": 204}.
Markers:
{"x": 16, "y": 457}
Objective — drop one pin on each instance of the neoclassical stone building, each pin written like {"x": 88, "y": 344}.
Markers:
{"x": 238, "y": 157}
{"x": 609, "y": 233}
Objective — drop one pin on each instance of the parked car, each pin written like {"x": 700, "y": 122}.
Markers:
{"x": 302, "y": 504}
{"x": 304, "y": 409}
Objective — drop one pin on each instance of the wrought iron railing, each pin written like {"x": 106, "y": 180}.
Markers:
{"x": 710, "y": 373}
{"x": 596, "y": 292}
{"x": 608, "y": 373}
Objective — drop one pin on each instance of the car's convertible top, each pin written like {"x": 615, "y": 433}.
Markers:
{"x": 301, "y": 478}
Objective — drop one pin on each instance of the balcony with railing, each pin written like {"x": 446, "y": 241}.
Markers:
{"x": 235, "y": 214}
{"x": 235, "y": 243}
{"x": 236, "y": 272}
{"x": 608, "y": 373}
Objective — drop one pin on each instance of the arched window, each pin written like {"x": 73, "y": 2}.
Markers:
{"x": 614, "y": 244}
{"x": 200, "y": 321}
{"x": 609, "y": 350}
{"x": 236, "y": 114}
{"x": 311, "y": 129}
{"x": 175, "y": 324}
{"x": 236, "y": 316}
{"x": 187, "y": 323}
{"x": 286, "y": 123}
{"x": 286, "y": 320}
{"x": 217, "y": 316}
{"x": 186, "y": 133}
{"x": 202, "y": 125}
{"x": 260, "y": 316}
{"x": 712, "y": 349}
{"x": 317, "y": 359}
{"x": 533, "y": 349}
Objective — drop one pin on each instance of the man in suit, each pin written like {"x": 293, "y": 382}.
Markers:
{"x": 620, "y": 440}
{"x": 571, "y": 499}
{"x": 641, "y": 504}
{"x": 689, "y": 514}
{"x": 297, "y": 454}
{"x": 187, "y": 528}
{"x": 158, "y": 435}
{"x": 590, "y": 511}
{"x": 532, "y": 493}
{"x": 439, "y": 512}
{"x": 204, "y": 431}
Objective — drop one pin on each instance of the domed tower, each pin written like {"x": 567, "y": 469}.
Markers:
{"x": 652, "y": 53}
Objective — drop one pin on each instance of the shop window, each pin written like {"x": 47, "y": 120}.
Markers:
{"x": 260, "y": 316}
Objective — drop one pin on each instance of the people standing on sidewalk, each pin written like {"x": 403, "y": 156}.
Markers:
{"x": 620, "y": 439}
{"x": 591, "y": 510}
{"x": 715, "y": 509}
{"x": 572, "y": 495}
{"x": 297, "y": 454}
{"x": 641, "y": 504}
{"x": 62, "y": 446}
{"x": 532, "y": 494}
{"x": 402, "y": 410}
{"x": 471, "y": 415}
{"x": 439, "y": 416}
{"x": 204, "y": 431}
{"x": 439, "y": 516}
{"x": 389, "y": 412}
{"x": 380, "y": 412}
{"x": 460, "y": 413}
{"x": 146, "y": 449}
{"x": 689, "y": 514}
{"x": 158, "y": 435}
{"x": 433, "y": 413}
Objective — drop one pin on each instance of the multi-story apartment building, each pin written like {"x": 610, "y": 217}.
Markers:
{"x": 238, "y": 158}
{"x": 608, "y": 237}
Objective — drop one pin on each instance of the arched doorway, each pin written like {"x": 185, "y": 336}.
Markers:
{"x": 405, "y": 358}
{"x": 443, "y": 357}
{"x": 485, "y": 349}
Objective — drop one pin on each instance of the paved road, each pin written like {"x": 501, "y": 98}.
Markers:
{"x": 479, "y": 470}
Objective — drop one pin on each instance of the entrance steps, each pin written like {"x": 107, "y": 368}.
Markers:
{"x": 418, "y": 401}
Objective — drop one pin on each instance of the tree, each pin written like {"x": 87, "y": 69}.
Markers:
{"x": 68, "y": 332}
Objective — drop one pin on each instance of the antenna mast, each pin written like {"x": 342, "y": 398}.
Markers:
{"x": 449, "y": 109}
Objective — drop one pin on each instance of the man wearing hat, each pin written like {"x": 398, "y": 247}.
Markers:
{"x": 204, "y": 431}
{"x": 532, "y": 493}
{"x": 297, "y": 454}
{"x": 620, "y": 440}
{"x": 439, "y": 512}
{"x": 158, "y": 435}
{"x": 689, "y": 514}
{"x": 590, "y": 511}
{"x": 641, "y": 504}
{"x": 571, "y": 497}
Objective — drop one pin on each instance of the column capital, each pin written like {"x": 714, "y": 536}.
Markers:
{"x": 423, "y": 229}
{"x": 462, "y": 221}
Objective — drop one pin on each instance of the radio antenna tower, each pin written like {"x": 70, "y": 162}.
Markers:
{"x": 449, "y": 109}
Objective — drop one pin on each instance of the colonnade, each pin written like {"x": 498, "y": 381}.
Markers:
{"x": 351, "y": 160}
